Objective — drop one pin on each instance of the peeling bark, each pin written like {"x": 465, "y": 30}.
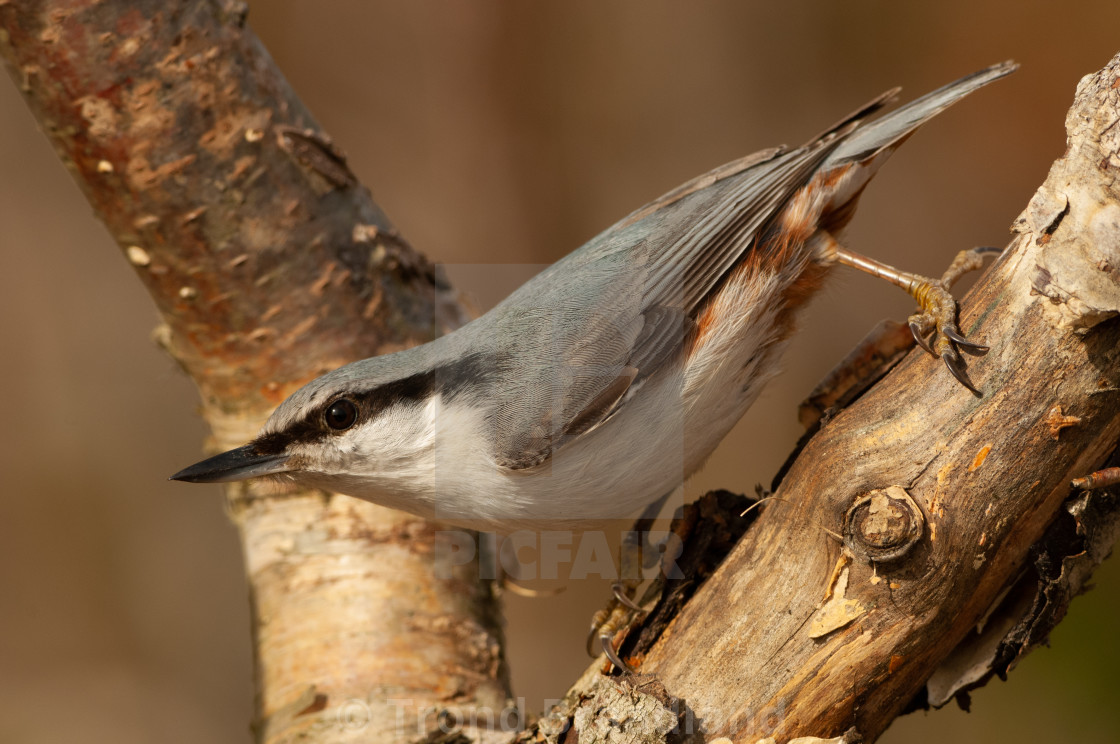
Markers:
{"x": 270, "y": 264}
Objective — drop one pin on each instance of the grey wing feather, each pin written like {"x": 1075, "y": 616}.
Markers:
{"x": 725, "y": 226}
{"x": 889, "y": 130}
{"x": 660, "y": 339}
{"x": 606, "y": 317}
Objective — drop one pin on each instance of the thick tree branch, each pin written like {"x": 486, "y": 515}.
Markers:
{"x": 959, "y": 549}
{"x": 269, "y": 264}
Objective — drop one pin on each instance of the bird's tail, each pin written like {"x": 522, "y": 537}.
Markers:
{"x": 867, "y": 140}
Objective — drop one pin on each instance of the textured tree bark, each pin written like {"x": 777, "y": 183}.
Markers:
{"x": 270, "y": 264}
{"x": 957, "y": 554}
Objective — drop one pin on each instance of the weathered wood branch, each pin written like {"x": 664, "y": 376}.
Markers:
{"x": 269, "y": 264}
{"x": 925, "y": 538}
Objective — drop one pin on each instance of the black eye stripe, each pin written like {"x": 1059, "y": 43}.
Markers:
{"x": 469, "y": 373}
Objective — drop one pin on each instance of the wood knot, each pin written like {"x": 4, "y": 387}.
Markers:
{"x": 883, "y": 525}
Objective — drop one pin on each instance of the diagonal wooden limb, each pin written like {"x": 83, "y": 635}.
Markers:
{"x": 269, "y": 264}
{"x": 798, "y": 635}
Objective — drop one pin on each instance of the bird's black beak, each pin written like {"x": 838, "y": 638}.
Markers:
{"x": 237, "y": 464}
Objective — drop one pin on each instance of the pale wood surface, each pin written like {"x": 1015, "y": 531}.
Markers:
{"x": 270, "y": 264}
{"x": 989, "y": 474}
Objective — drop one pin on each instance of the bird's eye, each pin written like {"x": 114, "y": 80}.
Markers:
{"x": 341, "y": 414}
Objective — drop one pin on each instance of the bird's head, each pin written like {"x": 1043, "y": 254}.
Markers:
{"x": 362, "y": 429}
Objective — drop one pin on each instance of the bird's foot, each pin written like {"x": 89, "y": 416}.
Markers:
{"x": 934, "y": 325}
{"x": 611, "y": 625}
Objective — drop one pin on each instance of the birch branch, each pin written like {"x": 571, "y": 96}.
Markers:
{"x": 270, "y": 264}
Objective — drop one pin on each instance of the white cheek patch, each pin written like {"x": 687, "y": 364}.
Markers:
{"x": 412, "y": 456}
{"x": 401, "y": 432}
{"x": 394, "y": 445}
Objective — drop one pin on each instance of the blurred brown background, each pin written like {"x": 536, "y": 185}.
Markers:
{"x": 492, "y": 133}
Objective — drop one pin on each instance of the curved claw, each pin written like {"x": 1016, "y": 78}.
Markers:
{"x": 521, "y": 590}
{"x": 919, "y": 337}
{"x": 598, "y": 620}
{"x": 953, "y": 335}
{"x": 612, "y": 655}
{"x": 598, "y": 628}
{"x": 953, "y": 362}
{"x": 987, "y": 249}
{"x": 624, "y": 599}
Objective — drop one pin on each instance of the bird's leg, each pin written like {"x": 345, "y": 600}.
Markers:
{"x": 622, "y": 610}
{"x": 937, "y": 310}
